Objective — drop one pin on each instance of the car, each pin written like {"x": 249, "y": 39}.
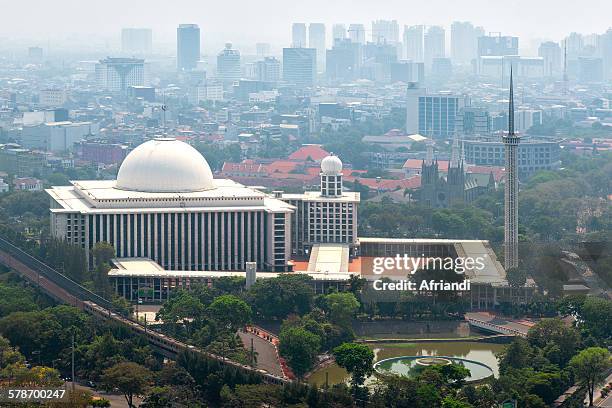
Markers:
{"x": 91, "y": 384}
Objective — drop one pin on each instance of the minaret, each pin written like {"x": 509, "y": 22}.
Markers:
{"x": 511, "y": 142}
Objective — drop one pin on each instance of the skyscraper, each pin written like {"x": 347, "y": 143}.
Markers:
{"x": 434, "y": 44}
{"x": 316, "y": 40}
{"x": 413, "y": 41}
{"x": 511, "y": 189}
{"x": 338, "y": 32}
{"x": 356, "y": 33}
{"x": 300, "y": 66}
{"x": 298, "y": 35}
{"x": 262, "y": 49}
{"x": 228, "y": 65}
{"x": 268, "y": 70}
{"x": 136, "y": 40}
{"x": 497, "y": 45}
{"x": 343, "y": 61}
{"x": 118, "y": 74}
{"x": 385, "y": 31}
{"x": 551, "y": 52}
{"x": 464, "y": 41}
{"x": 432, "y": 115}
{"x": 187, "y": 46}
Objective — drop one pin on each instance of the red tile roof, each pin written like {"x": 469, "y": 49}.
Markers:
{"x": 315, "y": 152}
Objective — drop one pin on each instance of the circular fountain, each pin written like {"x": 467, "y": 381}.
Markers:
{"x": 410, "y": 366}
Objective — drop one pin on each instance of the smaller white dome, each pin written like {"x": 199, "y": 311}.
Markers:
{"x": 331, "y": 165}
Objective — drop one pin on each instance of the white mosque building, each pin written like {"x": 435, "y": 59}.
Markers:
{"x": 166, "y": 206}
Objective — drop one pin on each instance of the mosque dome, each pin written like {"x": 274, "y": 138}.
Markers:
{"x": 165, "y": 165}
{"x": 331, "y": 165}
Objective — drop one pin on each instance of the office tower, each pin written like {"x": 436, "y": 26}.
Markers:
{"x": 338, "y": 32}
{"x": 136, "y": 41}
{"x": 606, "y": 53}
{"x": 551, "y": 53}
{"x": 434, "y": 44}
{"x": 316, "y": 40}
{"x": 298, "y": 35}
{"x": 385, "y": 32}
{"x": 407, "y": 71}
{"x": 497, "y": 45}
{"x": 464, "y": 42}
{"x": 432, "y": 115}
{"x": 441, "y": 69}
{"x": 343, "y": 61}
{"x": 590, "y": 69}
{"x": 356, "y": 33}
{"x": 413, "y": 41}
{"x": 187, "y": 46}
{"x": 268, "y": 70}
{"x": 262, "y": 49}
{"x": 118, "y": 74}
{"x": 300, "y": 66}
{"x": 575, "y": 45}
{"x": 511, "y": 189}
{"x": 473, "y": 121}
{"x": 228, "y": 65}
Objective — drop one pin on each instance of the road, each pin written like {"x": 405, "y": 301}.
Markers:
{"x": 266, "y": 353}
{"x": 603, "y": 402}
{"x": 116, "y": 400}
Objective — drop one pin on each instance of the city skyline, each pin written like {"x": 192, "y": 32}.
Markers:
{"x": 255, "y": 25}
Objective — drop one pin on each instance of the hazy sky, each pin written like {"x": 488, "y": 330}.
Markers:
{"x": 248, "y": 22}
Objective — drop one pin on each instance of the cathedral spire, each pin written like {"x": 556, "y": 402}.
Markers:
{"x": 454, "y": 159}
{"x": 511, "y": 107}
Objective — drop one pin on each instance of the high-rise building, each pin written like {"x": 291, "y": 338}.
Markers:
{"x": 338, "y": 32}
{"x": 137, "y": 41}
{"x": 187, "y": 46}
{"x": 511, "y": 188}
{"x": 300, "y": 66}
{"x": 118, "y": 74}
{"x": 343, "y": 61}
{"x": 262, "y": 49}
{"x": 464, "y": 41}
{"x": 35, "y": 53}
{"x": 606, "y": 53}
{"x": 228, "y": 65}
{"x": 472, "y": 122}
{"x": 298, "y": 35}
{"x": 385, "y": 32}
{"x": 316, "y": 40}
{"x": 590, "y": 69}
{"x": 553, "y": 60}
{"x": 497, "y": 45}
{"x": 432, "y": 115}
{"x": 356, "y": 33}
{"x": 434, "y": 44}
{"x": 268, "y": 70}
{"x": 413, "y": 42}
{"x": 575, "y": 44}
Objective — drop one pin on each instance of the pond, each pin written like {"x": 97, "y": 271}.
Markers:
{"x": 469, "y": 350}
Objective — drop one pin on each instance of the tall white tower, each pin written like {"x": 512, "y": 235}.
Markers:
{"x": 511, "y": 190}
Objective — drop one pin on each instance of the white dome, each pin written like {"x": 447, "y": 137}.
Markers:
{"x": 331, "y": 165}
{"x": 164, "y": 165}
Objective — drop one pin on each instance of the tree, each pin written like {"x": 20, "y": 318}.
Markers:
{"x": 299, "y": 347}
{"x": 180, "y": 307}
{"x": 554, "y": 331}
{"x": 230, "y": 311}
{"x": 342, "y": 308}
{"x": 356, "y": 359}
{"x": 517, "y": 277}
{"x": 130, "y": 378}
{"x": 102, "y": 252}
{"x": 516, "y": 355}
{"x": 282, "y": 296}
{"x": 590, "y": 366}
